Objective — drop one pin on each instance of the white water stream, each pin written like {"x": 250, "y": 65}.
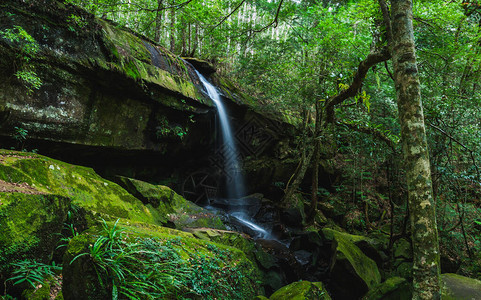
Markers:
{"x": 235, "y": 181}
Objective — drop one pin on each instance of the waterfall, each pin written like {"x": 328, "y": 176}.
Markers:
{"x": 235, "y": 180}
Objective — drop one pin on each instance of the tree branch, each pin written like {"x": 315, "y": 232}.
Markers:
{"x": 230, "y": 14}
{"x": 371, "y": 131}
{"x": 275, "y": 21}
{"x": 371, "y": 60}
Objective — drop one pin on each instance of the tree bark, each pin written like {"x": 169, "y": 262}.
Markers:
{"x": 172, "y": 28}
{"x": 426, "y": 268}
{"x": 315, "y": 167}
{"x": 158, "y": 20}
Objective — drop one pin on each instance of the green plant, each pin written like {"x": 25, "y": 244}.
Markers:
{"x": 17, "y": 35}
{"x": 20, "y": 136}
{"x": 139, "y": 269}
{"x": 76, "y": 22}
{"x": 29, "y": 48}
{"x": 30, "y": 80}
{"x": 212, "y": 278}
{"x": 32, "y": 272}
{"x": 167, "y": 130}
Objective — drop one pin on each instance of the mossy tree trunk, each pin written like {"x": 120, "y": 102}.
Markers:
{"x": 426, "y": 268}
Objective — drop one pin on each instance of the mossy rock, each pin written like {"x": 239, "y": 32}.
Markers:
{"x": 457, "y": 287}
{"x": 225, "y": 237}
{"x": 402, "y": 249}
{"x": 352, "y": 272}
{"x": 49, "y": 289}
{"x": 81, "y": 280}
{"x": 394, "y": 288}
{"x": 294, "y": 214}
{"x": 266, "y": 263}
{"x": 301, "y": 290}
{"x": 179, "y": 211}
{"x": 82, "y": 185}
{"x": 30, "y": 224}
{"x": 403, "y": 268}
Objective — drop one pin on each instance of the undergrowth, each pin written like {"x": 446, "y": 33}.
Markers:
{"x": 150, "y": 268}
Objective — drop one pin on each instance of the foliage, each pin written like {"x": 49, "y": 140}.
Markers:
{"x": 211, "y": 279}
{"x": 29, "y": 48}
{"x": 20, "y": 136}
{"x": 28, "y": 45}
{"x": 149, "y": 268}
{"x": 168, "y": 130}
{"x": 32, "y": 272}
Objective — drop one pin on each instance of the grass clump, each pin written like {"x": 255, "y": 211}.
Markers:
{"x": 134, "y": 267}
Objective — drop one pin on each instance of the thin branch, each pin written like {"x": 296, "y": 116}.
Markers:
{"x": 471, "y": 152}
{"x": 371, "y": 131}
{"x": 387, "y": 20}
{"x": 388, "y": 71}
{"x": 274, "y": 22}
{"x": 230, "y": 14}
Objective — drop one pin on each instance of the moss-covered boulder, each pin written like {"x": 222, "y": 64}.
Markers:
{"x": 301, "y": 290}
{"x": 30, "y": 224}
{"x": 269, "y": 263}
{"x": 394, "y": 288}
{"x": 85, "y": 188}
{"x": 37, "y": 193}
{"x": 352, "y": 272}
{"x": 192, "y": 267}
{"x": 176, "y": 209}
{"x": 457, "y": 287}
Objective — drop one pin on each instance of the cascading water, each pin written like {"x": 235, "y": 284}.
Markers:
{"x": 235, "y": 181}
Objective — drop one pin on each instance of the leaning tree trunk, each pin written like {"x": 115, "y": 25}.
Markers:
{"x": 426, "y": 268}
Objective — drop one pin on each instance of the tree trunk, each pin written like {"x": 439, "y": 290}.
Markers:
{"x": 158, "y": 20}
{"x": 315, "y": 166}
{"x": 426, "y": 268}
{"x": 172, "y": 28}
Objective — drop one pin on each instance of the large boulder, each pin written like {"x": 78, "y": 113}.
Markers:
{"x": 352, "y": 273}
{"x": 394, "y": 288}
{"x": 30, "y": 223}
{"x": 85, "y": 188}
{"x": 175, "y": 208}
{"x": 457, "y": 287}
{"x": 302, "y": 290}
{"x": 37, "y": 194}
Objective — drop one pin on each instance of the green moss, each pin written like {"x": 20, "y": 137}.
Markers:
{"x": 167, "y": 203}
{"x": 395, "y": 288}
{"x": 301, "y": 290}
{"x": 82, "y": 185}
{"x": 457, "y": 287}
{"x": 332, "y": 234}
{"x": 364, "y": 267}
{"x": 79, "y": 275}
{"x": 43, "y": 292}
{"x": 29, "y": 225}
